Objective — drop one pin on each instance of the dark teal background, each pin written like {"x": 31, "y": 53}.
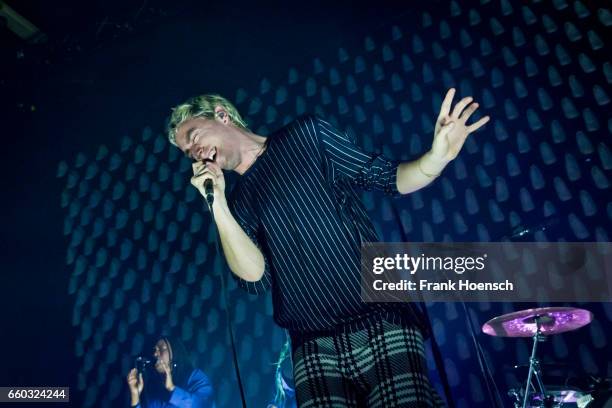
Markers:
{"x": 105, "y": 244}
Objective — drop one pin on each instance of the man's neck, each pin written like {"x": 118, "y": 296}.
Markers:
{"x": 254, "y": 146}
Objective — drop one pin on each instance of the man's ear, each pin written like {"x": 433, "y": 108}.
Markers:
{"x": 221, "y": 115}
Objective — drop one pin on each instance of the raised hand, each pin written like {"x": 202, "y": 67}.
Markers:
{"x": 168, "y": 382}
{"x": 451, "y": 128}
{"x": 136, "y": 384}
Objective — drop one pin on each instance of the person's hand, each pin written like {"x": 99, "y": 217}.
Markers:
{"x": 451, "y": 128}
{"x": 208, "y": 170}
{"x": 136, "y": 384}
{"x": 168, "y": 383}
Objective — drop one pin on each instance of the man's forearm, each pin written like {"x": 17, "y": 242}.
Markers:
{"x": 414, "y": 175}
{"x": 242, "y": 255}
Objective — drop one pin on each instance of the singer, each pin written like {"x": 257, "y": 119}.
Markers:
{"x": 175, "y": 383}
{"x": 294, "y": 223}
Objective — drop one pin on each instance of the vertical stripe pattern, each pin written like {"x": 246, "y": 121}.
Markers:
{"x": 298, "y": 204}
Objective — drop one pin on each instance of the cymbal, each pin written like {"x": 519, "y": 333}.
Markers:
{"x": 552, "y": 320}
{"x": 559, "y": 393}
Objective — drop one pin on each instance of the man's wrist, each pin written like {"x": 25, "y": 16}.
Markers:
{"x": 219, "y": 206}
{"x": 135, "y": 400}
{"x": 430, "y": 165}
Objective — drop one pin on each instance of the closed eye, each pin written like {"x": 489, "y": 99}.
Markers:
{"x": 187, "y": 153}
{"x": 192, "y": 138}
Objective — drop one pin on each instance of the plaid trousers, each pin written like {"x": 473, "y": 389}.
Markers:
{"x": 383, "y": 365}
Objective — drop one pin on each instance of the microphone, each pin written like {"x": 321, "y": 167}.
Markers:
{"x": 208, "y": 192}
{"x": 142, "y": 363}
{"x": 521, "y": 231}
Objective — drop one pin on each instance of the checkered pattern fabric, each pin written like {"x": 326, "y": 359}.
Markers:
{"x": 383, "y": 365}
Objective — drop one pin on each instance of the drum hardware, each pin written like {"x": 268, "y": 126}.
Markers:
{"x": 538, "y": 324}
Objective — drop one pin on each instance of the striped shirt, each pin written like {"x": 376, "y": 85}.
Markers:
{"x": 298, "y": 204}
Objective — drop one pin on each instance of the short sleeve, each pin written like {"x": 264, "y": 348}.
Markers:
{"x": 369, "y": 171}
{"x": 249, "y": 222}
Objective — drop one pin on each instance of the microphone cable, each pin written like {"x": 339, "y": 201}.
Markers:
{"x": 230, "y": 330}
{"x": 492, "y": 390}
{"x": 435, "y": 348}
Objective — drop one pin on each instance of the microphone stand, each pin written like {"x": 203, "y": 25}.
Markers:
{"x": 435, "y": 348}
{"x": 209, "y": 201}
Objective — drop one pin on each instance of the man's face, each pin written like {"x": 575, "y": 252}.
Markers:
{"x": 163, "y": 353}
{"x": 204, "y": 139}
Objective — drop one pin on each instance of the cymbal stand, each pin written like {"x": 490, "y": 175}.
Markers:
{"x": 534, "y": 363}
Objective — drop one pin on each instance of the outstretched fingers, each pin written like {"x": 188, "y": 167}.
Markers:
{"x": 477, "y": 125}
{"x": 469, "y": 111}
{"x": 446, "y": 104}
{"x": 460, "y": 106}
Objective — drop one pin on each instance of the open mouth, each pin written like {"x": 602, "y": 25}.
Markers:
{"x": 212, "y": 155}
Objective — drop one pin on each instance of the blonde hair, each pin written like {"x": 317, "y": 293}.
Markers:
{"x": 202, "y": 106}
